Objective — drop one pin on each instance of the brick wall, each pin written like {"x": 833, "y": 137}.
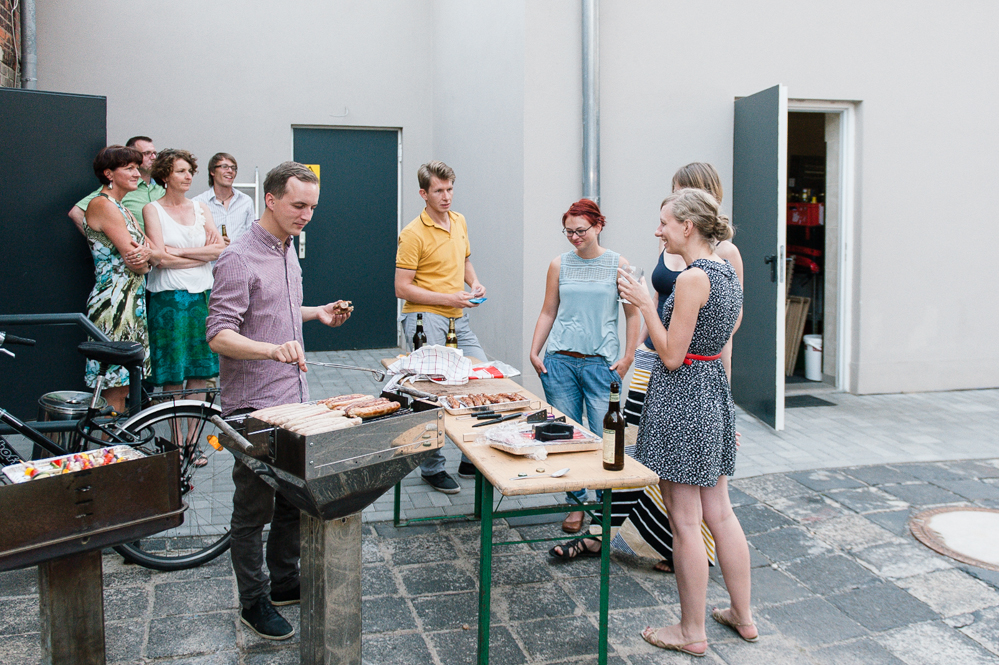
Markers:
{"x": 10, "y": 35}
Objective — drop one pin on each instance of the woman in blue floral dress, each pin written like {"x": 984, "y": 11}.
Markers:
{"x": 117, "y": 303}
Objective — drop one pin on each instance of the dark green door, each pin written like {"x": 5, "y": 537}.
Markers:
{"x": 350, "y": 244}
{"x": 759, "y": 209}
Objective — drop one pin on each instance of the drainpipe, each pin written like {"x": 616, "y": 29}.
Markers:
{"x": 29, "y": 52}
{"x": 591, "y": 101}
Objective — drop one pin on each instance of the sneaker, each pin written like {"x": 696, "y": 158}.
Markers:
{"x": 292, "y": 596}
{"x": 442, "y": 482}
{"x": 466, "y": 470}
{"x": 264, "y": 620}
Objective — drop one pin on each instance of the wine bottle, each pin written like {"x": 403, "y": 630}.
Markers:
{"x": 419, "y": 337}
{"x": 452, "y": 337}
{"x": 614, "y": 432}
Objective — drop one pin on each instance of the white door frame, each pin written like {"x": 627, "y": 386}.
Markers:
{"x": 847, "y": 182}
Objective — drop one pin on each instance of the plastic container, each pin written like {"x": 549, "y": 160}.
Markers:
{"x": 813, "y": 357}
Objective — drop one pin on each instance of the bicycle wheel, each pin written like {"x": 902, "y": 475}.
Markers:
{"x": 206, "y": 487}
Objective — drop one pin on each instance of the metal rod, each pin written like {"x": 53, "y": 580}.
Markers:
{"x": 379, "y": 374}
{"x": 233, "y": 434}
{"x": 48, "y": 319}
{"x": 485, "y": 570}
{"x": 29, "y": 46}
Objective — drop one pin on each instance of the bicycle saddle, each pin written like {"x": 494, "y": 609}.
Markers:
{"x": 113, "y": 353}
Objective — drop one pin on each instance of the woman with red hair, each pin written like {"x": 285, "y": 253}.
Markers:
{"x": 579, "y": 321}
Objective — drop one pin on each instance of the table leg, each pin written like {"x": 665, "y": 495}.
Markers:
{"x": 605, "y": 547}
{"x": 485, "y": 566}
{"x": 397, "y": 504}
{"x": 71, "y": 603}
{"x": 478, "y": 495}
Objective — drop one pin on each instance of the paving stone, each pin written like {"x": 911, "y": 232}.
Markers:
{"x": 395, "y": 649}
{"x": 191, "y": 635}
{"x": 853, "y": 532}
{"x": 811, "y": 622}
{"x": 787, "y": 544}
{"x": 972, "y": 490}
{"x": 625, "y": 593}
{"x": 369, "y": 548}
{"x": 934, "y": 644}
{"x": 867, "y": 499}
{"x": 435, "y": 578}
{"x": 923, "y": 494}
{"x": 460, "y": 647}
{"x": 770, "y": 650}
{"x": 830, "y": 573}
{"x": 756, "y": 558}
{"x": 226, "y": 658}
{"x": 533, "y": 601}
{"x": 767, "y": 488}
{"x": 975, "y": 468}
{"x": 284, "y": 655}
{"x": 879, "y": 475}
{"x": 20, "y": 615}
{"x": 452, "y": 610}
{"x": 809, "y": 509}
{"x": 21, "y": 649}
{"x": 951, "y": 592}
{"x": 551, "y": 639}
{"x": 739, "y": 498}
{"x": 758, "y": 518}
{"x": 990, "y": 577}
{"x": 125, "y": 603}
{"x": 898, "y": 560}
{"x": 171, "y": 598}
{"x": 420, "y": 549}
{"x": 894, "y": 521}
{"x": 23, "y": 582}
{"x": 864, "y": 651}
{"x": 526, "y": 569}
{"x": 821, "y": 480}
{"x": 931, "y": 472}
{"x": 386, "y": 614}
{"x": 880, "y": 607}
{"x": 984, "y": 629}
{"x": 772, "y": 586}
{"x": 378, "y": 580}
{"x": 387, "y": 530}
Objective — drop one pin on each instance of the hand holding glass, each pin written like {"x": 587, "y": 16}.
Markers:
{"x": 636, "y": 274}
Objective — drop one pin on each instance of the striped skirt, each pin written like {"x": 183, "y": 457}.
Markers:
{"x": 639, "y": 520}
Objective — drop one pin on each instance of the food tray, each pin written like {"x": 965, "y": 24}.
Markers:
{"x": 15, "y": 472}
{"x": 516, "y": 441}
{"x": 551, "y": 447}
{"x": 502, "y": 406}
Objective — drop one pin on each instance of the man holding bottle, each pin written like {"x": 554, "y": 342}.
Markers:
{"x": 432, "y": 267}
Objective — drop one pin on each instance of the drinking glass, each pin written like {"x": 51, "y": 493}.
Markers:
{"x": 636, "y": 273}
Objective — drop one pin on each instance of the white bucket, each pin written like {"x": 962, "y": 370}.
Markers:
{"x": 813, "y": 357}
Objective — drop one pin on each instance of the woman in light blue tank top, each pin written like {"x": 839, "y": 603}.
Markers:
{"x": 579, "y": 321}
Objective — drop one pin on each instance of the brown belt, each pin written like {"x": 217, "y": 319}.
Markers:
{"x": 573, "y": 354}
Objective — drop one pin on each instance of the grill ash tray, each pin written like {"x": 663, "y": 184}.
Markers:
{"x": 335, "y": 474}
{"x": 89, "y": 509}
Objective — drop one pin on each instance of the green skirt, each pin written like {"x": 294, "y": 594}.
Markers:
{"x": 177, "y": 337}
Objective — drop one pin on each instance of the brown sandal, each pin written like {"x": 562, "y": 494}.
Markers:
{"x": 717, "y": 615}
{"x": 649, "y": 635}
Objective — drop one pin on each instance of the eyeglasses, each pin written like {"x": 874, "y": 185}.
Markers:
{"x": 149, "y": 153}
{"x": 226, "y": 167}
{"x": 576, "y": 232}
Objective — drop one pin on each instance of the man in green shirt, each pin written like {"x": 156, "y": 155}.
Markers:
{"x": 147, "y": 192}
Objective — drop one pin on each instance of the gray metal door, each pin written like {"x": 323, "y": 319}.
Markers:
{"x": 759, "y": 208}
{"x": 350, "y": 244}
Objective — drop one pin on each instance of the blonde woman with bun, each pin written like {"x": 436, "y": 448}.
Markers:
{"x": 687, "y": 429}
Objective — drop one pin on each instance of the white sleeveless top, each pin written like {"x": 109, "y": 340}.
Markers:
{"x": 193, "y": 280}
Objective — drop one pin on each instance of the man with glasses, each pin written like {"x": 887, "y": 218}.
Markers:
{"x": 231, "y": 209}
{"x": 432, "y": 266}
{"x": 149, "y": 190}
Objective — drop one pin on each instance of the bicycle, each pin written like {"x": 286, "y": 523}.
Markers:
{"x": 161, "y": 421}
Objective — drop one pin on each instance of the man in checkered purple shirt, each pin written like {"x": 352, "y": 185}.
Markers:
{"x": 254, "y": 323}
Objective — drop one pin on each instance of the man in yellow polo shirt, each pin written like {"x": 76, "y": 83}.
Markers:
{"x": 432, "y": 267}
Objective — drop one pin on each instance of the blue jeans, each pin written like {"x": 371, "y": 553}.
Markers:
{"x": 572, "y": 383}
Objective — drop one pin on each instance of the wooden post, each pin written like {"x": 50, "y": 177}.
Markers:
{"x": 71, "y": 599}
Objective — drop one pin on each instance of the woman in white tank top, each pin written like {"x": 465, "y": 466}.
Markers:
{"x": 186, "y": 242}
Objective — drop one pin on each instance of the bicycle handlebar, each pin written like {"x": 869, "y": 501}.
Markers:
{"x": 13, "y": 339}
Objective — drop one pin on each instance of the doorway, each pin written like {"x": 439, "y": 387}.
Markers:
{"x": 347, "y": 251}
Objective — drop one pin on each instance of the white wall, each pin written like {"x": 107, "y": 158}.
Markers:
{"x": 495, "y": 91}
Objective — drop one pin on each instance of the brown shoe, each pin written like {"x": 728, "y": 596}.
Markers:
{"x": 573, "y": 522}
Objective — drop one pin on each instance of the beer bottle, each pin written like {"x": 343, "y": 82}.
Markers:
{"x": 419, "y": 337}
{"x": 614, "y": 432}
{"x": 222, "y": 226}
{"x": 452, "y": 337}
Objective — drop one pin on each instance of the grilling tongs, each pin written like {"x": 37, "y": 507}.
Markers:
{"x": 377, "y": 374}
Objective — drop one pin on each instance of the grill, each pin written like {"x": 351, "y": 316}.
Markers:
{"x": 331, "y": 477}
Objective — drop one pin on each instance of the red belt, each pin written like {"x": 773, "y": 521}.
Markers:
{"x": 692, "y": 356}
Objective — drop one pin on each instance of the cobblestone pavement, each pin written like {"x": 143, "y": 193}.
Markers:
{"x": 836, "y": 576}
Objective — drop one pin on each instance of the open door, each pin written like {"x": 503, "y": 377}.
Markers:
{"x": 759, "y": 210}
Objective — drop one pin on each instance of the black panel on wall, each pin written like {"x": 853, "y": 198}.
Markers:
{"x": 46, "y": 165}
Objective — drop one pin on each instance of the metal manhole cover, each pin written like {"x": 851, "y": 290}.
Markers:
{"x": 965, "y": 533}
